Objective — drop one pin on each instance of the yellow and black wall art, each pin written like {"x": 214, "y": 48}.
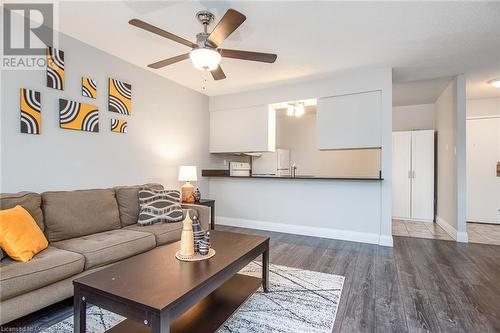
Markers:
{"x": 118, "y": 126}
{"x": 89, "y": 87}
{"x": 78, "y": 116}
{"x": 31, "y": 108}
{"x": 55, "y": 68}
{"x": 119, "y": 96}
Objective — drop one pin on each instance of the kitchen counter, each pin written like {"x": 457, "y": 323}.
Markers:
{"x": 207, "y": 173}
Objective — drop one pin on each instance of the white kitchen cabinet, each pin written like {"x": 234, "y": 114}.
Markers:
{"x": 413, "y": 175}
{"x": 242, "y": 130}
{"x": 349, "y": 121}
{"x": 401, "y": 177}
{"x": 483, "y": 184}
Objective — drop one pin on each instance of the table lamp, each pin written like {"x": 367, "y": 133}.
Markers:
{"x": 187, "y": 173}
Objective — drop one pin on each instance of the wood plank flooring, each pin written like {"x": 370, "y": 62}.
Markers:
{"x": 420, "y": 285}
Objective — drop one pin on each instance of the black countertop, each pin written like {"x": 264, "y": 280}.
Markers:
{"x": 297, "y": 177}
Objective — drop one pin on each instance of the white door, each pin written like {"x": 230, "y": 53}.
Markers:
{"x": 401, "y": 169}
{"x": 483, "y": 185}
{"x": 422, "y": 188}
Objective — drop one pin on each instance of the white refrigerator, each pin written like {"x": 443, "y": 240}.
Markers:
{"x": 273, "y": 164}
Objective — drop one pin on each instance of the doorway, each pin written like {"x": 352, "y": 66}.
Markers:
{"x": 483, "y": 173}
{"x": 418, "y": 111}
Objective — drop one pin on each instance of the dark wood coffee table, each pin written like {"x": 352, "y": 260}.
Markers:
{"x": 157, "y": 293}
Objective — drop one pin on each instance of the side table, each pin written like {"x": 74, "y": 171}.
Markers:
{"x": 209, "y": 203}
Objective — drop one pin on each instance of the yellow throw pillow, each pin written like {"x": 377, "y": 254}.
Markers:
{"x": 20, "y": 236}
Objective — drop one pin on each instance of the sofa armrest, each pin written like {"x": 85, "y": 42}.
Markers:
{"x": 203, "y": 214}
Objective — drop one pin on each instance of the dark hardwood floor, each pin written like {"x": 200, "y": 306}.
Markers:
{"x": 420, "y": 285}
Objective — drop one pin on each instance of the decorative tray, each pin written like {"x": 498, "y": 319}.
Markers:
{"x": 196, "y": 256}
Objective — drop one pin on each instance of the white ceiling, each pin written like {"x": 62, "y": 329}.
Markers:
{"x": 420, "y": 40}
{"x": 418, "y": 92}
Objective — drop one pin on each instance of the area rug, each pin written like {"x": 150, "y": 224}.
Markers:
{"x": 298, "y": 301}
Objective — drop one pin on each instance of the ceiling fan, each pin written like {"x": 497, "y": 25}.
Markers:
{"x": 205, "y": 53}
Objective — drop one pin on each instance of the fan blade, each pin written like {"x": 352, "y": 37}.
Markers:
{"x": 247, "y": 55}
{"x": 218, "y": 74}
{"x": 169, "y": 61}
{"x": 228, "y": 23}
{"x": 151, "y": 28}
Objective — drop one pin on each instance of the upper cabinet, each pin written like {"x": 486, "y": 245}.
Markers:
{"x": 243, "y": 130}
{"x": 349, "y": 121}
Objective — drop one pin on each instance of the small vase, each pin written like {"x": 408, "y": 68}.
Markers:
{"x": 198, "y": 233}
{"x": 205, "y": 244}
{"x": 197, "y": 195}
{"x": 187, "y": 237}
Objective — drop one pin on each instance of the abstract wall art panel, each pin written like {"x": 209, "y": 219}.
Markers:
{"x": 89, "y": 87}
{"x": 118, "y": 126}
{"x": 78, "y": 116}
{"x": 55, "y": 68}
{"x": 120, "y": 96}
{"x": 31, "y": 108}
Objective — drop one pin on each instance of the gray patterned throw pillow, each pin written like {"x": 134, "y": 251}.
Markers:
{"x": 157, "y": 206}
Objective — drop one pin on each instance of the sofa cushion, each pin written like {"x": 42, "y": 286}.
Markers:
{"x": 30, "y": 201}
{"x": 165, "y": 233}
{"x": 49, "y": 266}
{"x": 71, "y": 214}
{"x": 109, "y": 246}
{"x": 128, "y": 201}
{"x": 159, "y": 206}
{"x": 191, "y": 211}
{"x": 202, "y": 212}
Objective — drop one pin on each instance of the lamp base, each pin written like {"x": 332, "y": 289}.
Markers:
{"x": 187, "y": 193}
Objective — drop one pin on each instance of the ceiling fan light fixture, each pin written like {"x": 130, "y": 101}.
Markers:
{"x": 495, "y": 83}
{"x": 300, "y": 110}
{"x": 205, "y": 59}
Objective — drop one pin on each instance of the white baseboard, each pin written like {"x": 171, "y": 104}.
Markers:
{"x": 462, "y": 237}
{"x": 474, "y": 220}
{"x": 353, "y": 236}
{"x": 458, "y": 236}
{"x": 385, "y": 240}
{"x": 413, "y": 220}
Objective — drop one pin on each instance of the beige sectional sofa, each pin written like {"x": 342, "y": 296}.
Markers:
{"x": 87, "y": 230}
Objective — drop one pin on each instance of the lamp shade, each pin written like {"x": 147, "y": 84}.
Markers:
{"x": 187, "y": 173}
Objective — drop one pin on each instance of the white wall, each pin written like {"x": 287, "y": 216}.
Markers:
{"x": 486, "y": 107}
{"x": 446, "y": 163}
{"x": 298, "y": 134}
{"x": 355, "y": 210}
{"x": 413, "y": 117}
{"x": 450, "y": 127}
{"x": 168, "y": 127}
{"x": 348, "y": 210}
